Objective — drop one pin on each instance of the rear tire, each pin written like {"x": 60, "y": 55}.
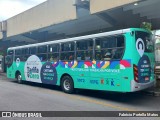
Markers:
{"x": 67, "y": 84}
{"x": 19, "y": 78}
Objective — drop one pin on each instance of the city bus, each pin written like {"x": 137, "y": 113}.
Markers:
{"x": 120, "y": 60}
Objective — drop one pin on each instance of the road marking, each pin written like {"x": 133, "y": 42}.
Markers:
{"x": 72, "y": 96}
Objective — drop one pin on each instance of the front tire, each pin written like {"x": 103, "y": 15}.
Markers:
{"x": 19, "y": 78}
{"x": 67, "y": 84}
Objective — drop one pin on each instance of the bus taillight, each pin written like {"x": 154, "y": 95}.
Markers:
{"x": 135, "y": 71}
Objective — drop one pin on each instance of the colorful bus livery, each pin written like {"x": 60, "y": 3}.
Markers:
{"x": 121, "y": 61}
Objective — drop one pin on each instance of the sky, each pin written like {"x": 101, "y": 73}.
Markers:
{"x": 10, "y": 8}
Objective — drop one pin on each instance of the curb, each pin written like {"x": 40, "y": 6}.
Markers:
{"x": 152, "y": 93}
{"x": 2, "y": 74}
{"x": 157, "y": 94}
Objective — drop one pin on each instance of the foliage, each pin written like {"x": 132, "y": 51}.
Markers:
{"x": 146, "y": 25}
{"x": 1, "y": 53}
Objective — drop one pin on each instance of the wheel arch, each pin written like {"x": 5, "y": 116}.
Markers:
{"x": 67, "y": 83}
{"x": 65, "y": 74}
{"x": 16, "y": 73}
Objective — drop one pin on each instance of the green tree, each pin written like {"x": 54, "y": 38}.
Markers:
{"x": 1, "y": 53}
{"x": 146, "y": 25}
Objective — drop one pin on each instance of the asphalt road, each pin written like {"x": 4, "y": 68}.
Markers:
{"x": 38, "y": 97}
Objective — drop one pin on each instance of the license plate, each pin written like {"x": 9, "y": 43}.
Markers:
{"x": 146, "y": 78}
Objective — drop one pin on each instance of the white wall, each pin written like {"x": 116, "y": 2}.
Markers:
{"x": 1, "y": 35}
{"x": 46, "y": 14}
{"x": 101, "y": 5}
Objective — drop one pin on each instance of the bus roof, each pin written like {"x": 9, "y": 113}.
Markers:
{"x": 74, "y": 38}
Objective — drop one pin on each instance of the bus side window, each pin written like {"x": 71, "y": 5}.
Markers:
{"x": 119, "y": 51}
{"x": 109, "y": 48}
{"x": 98, "y": 52}
{"x": 88, "y": 55}
{"x": 107, "y": 54}
{"x": 84, "y": 50}
{"x": 120, "y": 41}
{"x": 53, "y": 52}
{"x": 67, "y": 51}
{"x": 32, "y": 50}
{"x": 18, "y": 54}
{"x": 79, "y": 55}
{"x": 25, "y": 54}
{"x": 42, "y": 52}
{"x": 9, "y": 58}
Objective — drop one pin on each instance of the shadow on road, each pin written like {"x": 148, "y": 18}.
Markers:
{"x": 46, "y": 86}
{"x": 135, "y": 98}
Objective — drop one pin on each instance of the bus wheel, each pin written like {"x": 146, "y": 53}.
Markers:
{"x": 19, "y": 78}
{"x": 67, "y": 84}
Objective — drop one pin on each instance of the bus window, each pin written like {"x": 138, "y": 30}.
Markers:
{"x": 25, "y": 51}
{"x": 32, "y": 50}
{"x": 10, "y": 52}
{"x": 42, "y": 53}
{"x": 108, "y": 42}
{"x": 84, "y": 50}
{"x": 84, "y": 55}
{"x": 53, "y": 52}
{"x": 18, "y": 54}
{"x": 9, "y": 58}
{"x": 53, "y": 48}
{"x": 67, "y": 51}
{"x": 53, "y": 57}
{"x": 82, "y": 45}
{"x": 118, "y": 52}
{"x": 67, "y": 56}
{"x": 109, "y": 48}
{"x": 67, "y": 46}
{"x": 42, "y": 49}
{"x": 120, "y": 41}
{"x": 25, "y": 54}
{"x": 42, "y": 57}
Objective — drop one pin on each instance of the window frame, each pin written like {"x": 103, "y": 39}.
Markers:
{"x": 57, "y": 52}
{"x": 62, "y": 52}
{"x": 86, "y": 50}
{"x": 111, "y": 48}
{"x": 35, "y": 50}
{"x": 39, "y": 53}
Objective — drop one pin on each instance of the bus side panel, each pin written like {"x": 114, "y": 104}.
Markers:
{"x": 143, "y": 60}
{"x": 97, "y": 78}
{"x": 128, "y": 75}
{"x": 11, "y": 71}
{"x": 79, "y": 75}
